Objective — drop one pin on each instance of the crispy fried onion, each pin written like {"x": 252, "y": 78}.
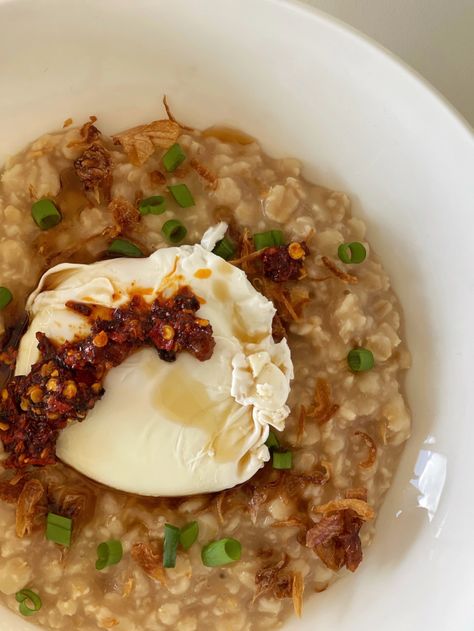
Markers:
{"x": 281, "y": 297}
{"x": 357, "y": 493}
{"x": 273, "y": 579}
{"x": 204, "y": 172}
{"x": 301, "y": 424}
{"x": 75, "y": 500}
{"x": 297, "y": 590}
{"x": 10, "y": 490}
{"x": 140, "y": 142}
{"x": 371, "y": 450}
{"x": 150, "y": 561}
{"x": 31, "y": 507}
{"x": 322, "y": 409}
{"x": 285, "y": 484}
{"x": 291, "y": 522}
{"x": 220, "y": 506}
{"x": 170, "y": 115}
{"x": 229, "y": 500}
{"x": 126, "y": 215}
{"x": 89, "y": 131}
{"x": 335, "y": 537}
{"x": 280, "y": 583}
{"x": 291, "y": 482}
{"x": 360, "y": 507}
{"x": 278, "y": 329}
{"x": 246, "y": 251}
{"x": 260, "y": 495}
{"x": 157, "y": 178}
{"x": 333, "y": 268}
{"x": 94, "y": 170}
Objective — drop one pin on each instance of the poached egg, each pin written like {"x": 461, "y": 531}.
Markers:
{"x": 170, "y": 429}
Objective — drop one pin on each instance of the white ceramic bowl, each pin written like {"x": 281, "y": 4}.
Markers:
{"x": 307, "y": 86}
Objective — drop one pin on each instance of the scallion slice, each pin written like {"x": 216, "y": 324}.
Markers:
{"x": 282, "y": 459}
{"x": 360, "y": 359}
{"x": 174, "y": 231}
{"x": 173, "y": 157}
{"x": 189, "y": 534}
{"x": 272, "y": 441}
{"x": 267, "y": 239}
{"x": 108, "y": 553}
{"x": 59, "y": 529}
{"x": 155, "y": 205}
{"x": 277, "y": 237}
{"x": 182, "y": 195}
{"x": 353, "y": 252}
{"x": 29, "y": 601}
{"x": 170, "y": 545}
{"x": 6, "y": 297}
{"x": 221, "y": 552}
{"x": 45, "y": 214}
{"x": 225, "y": 248}
{"x": 124, "y": 248}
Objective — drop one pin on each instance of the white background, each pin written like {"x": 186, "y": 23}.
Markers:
{"x": 436, "y": 37}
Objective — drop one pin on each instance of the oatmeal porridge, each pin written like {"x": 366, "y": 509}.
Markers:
{"x": 231, "y": 543}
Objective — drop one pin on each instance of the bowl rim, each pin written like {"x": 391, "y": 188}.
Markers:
{"x": 456, "y": 125}
{"x": 331, "y": 21}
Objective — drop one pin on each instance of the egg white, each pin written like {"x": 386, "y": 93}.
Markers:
{"x": 167, "y": 429}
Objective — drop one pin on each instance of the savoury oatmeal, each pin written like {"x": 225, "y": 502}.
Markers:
{"x": 304, "y": 518}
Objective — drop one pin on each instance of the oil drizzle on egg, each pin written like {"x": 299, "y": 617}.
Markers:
{"x": 221, "y": 290}
{"x": 204, "y": 272}
{"x": 186, "y": 401}
{"x": 240, "y": 327}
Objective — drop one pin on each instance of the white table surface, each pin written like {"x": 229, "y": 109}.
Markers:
{"x": 436, "y": 37}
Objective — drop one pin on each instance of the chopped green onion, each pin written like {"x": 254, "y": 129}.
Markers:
{"x": 155, "y": 205}
{"x": 170, "y": 545}
{"x": 29, "y": 601}
{"x": 173, "y": 157}
{"x": 174, "y": 231}
{"x": 189, "y": 534}
{"x": 277, "y": 237}
{"x": 124, "y": 248}
{"x": 272, "y": 441}
{"x": 360, "y": 359}
{"x": 221, "y": 552}
{"x": 59, "y": 529}
{"x": 267, "y": 239}
{"x": 182, "y": 195}
{"x": 5, "y": 297}
{"x": 45, "y": 214}
{"x": 282, "y": 460}
{"x": 108, "y": 553}
{"x": 225, "y": 248}
{"x": 353, "y": 252}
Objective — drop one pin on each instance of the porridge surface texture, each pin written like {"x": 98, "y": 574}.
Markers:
{"x": 346, "y": 429}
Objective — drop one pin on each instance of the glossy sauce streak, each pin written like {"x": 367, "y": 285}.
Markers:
{"x": 239, "y": 325}
{"x": 240, "y": 329}
{"x": 225, "y": 268}
{"x": 228, "y": 134}
{"x": 71, "y": 199}
{"x": 140, "y": 291}
{"x": 221, "y": 290}
{"x": 204, "y": 272}
{"x": 190, "y": 405}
